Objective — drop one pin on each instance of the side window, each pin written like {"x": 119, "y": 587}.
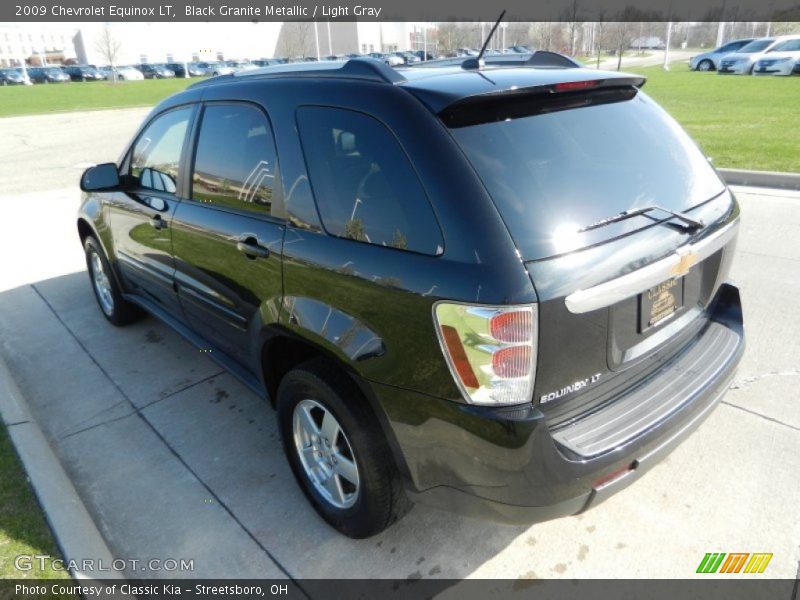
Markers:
{"x": 157, "y": 153}
{"x": 234, "y": 165}
{"x": 363, "y": 182}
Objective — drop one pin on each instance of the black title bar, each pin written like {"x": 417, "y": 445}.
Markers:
{"x": 394, "y": 10}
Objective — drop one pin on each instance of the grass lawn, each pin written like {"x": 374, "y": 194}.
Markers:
{"x": 741, "y": 122}
{"x": 23, "y": 529}
{"x": 90, "y": 95}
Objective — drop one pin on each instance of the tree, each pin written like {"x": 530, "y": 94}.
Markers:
{"x": 296, "y": 40}
{"x": 547, "y": 36}
{"x": 109, "y": 46}
{"x": 452, "y": 36}
{"x": 600, "y": 36}
{"x": 622, "y": 32}
{"x": 572, "y": 19}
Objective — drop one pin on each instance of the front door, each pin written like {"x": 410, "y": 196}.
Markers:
{"x": 226, "y": 243}
{"x": 140, "y": 215}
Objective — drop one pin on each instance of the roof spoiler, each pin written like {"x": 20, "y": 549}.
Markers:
{"x": 527, "y": 101}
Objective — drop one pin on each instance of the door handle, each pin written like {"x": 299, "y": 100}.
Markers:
{"x": 252, "y": 249}
{"x": 157, "y": 222}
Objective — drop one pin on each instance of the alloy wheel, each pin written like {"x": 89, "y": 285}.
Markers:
{"x": 325, "y": 453}
{"x": 102, "y": 285}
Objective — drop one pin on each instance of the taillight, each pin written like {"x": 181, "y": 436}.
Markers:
{"x": 491, "y": 351}
{"x": 569, "y": 86}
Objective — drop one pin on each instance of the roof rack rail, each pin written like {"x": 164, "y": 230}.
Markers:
{"x": 356, "y": 68}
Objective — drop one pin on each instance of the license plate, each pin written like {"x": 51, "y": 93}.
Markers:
{"x": 659, "y": 303}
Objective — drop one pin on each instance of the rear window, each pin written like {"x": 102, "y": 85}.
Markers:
{"x": 552, "y": 174}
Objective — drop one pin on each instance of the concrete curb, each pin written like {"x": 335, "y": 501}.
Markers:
{"x": 770, "y": 179}
{"x": 74, "y": 530}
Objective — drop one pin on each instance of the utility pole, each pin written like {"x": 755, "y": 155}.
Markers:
{"x": 330, "y": 43}
{"x": 666, "y": 46}
{"x": 316, "y": 39}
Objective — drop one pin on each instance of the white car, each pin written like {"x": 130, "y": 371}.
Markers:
{"x": 781, "y": 60}
{"x": 743, "y": 61}
{"x": 709, "y": 61}
{"x": 124, "y": 74}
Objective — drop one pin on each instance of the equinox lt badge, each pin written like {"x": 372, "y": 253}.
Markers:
{"x": 571, "y": 388}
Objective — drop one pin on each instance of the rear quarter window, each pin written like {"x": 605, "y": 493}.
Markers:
{"x": 363, "y": 182}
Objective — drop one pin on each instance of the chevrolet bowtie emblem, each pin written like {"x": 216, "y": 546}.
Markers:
{"x": 685, "y": 262}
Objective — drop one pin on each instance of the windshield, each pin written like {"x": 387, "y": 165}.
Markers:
{"x": 756, "y": 46}
{"x": 787, "y": 46}
{"x": 553, "y": 173}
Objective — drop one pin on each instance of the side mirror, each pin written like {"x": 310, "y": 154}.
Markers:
{"x": 100, "y": 177}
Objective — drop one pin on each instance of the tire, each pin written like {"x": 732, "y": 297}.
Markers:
{"x": 368, "y": 502}
{"x": 705, "y": 65}
{"x": 115, "y": 308}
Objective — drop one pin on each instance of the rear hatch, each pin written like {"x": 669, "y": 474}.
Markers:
{"x": 588, "y": 178}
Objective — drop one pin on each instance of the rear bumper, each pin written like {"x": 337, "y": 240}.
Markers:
{"x": 507, "y": 465}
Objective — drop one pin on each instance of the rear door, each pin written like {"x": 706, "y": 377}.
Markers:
{"x": 226, "y": 242}
{"x": 140, "y": 216}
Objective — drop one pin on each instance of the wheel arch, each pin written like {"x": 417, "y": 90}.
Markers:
{"x": 284, "y": 350}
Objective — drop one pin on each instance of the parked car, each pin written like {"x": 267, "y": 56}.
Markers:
{"x": 241, "y": 65}
{"x": 780, "y": 60}
{"x": 541, "y": 58}
{"x": 11, "y": 77}
{"x": 123, "y": 73}
{"x": 709, "y": 61}
{"x": 743, "y": 61}
{"x": 47, "y": 75}
{"x": 408, "y": 58}
{"x": 424, "y": 56}
{"x": 268, "y": 62}
{"x": 199, "y": 69}
{"x": 219, "y": 68}
{"x": 155, "y": 71}
{"x": 468, "y": 298}
{"x": 84, "y": 73}
{"x": 389, "y": 59}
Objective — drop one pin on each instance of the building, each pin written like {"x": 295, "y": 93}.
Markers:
{"x": 303, "y": 38}
{"x": 35, "y": 43}
{"x": 51, "y": 43}
{"x": 176, "y": 42}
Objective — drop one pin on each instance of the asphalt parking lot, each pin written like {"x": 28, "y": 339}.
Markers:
{"x": 175, "y": 459}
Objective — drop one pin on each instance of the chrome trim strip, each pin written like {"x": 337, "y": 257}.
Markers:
{"x": 636, "y": 282}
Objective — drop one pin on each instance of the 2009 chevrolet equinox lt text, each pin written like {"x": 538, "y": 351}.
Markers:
{"x": 500, "y": 291}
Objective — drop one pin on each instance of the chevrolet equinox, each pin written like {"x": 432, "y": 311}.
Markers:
{"x": 497, "y": 290}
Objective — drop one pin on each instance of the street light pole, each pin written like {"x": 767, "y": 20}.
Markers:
{"x": 330, "y": 43}
{"x": 316, "y": 39}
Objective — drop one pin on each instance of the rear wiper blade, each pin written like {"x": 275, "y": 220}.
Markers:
{"x": 689, "y": 224}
